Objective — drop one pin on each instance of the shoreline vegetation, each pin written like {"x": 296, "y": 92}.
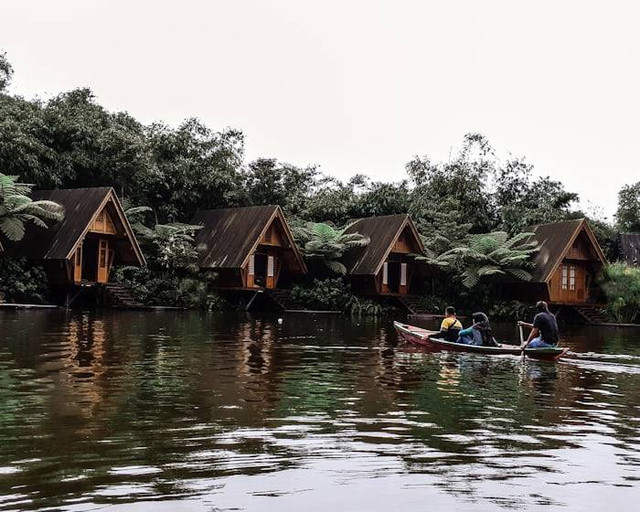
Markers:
{"x": 472, "y": 211}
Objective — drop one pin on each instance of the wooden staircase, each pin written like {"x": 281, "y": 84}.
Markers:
{"x": 284, "y": 300}
{"x": 592, "y": 314}
{"x": 413, "y": 304}
{"x": 118, "y": 296}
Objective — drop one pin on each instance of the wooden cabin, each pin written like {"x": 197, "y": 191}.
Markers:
{"x": 385, "y": 266}
{"x": 567, "y": 265}
{"x": 249, "y": 248}
{"x": 629, "y": 244}
{"x": 93, "y": 236}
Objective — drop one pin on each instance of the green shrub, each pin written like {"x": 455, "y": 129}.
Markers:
{"x": 511, "y": 310}
{"x": 323, "y": 294}
{"x": 22, "y": 282}
{"x": 166, "y": 288}
{"x": 621, "y": 285}
{"x": 365, "y": 307}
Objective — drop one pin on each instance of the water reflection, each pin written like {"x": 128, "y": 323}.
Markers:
{"x": 206, "y": 412}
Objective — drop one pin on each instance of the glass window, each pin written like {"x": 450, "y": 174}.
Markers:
{"x": 565, "y": 277}
{"x": 572, "y": 278}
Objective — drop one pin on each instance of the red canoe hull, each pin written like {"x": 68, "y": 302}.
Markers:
{"x": 421, "y": 337}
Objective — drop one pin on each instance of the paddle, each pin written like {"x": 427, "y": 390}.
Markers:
{"x": 521, "y": 340}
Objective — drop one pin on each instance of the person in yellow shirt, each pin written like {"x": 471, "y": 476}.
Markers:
{"x": 450, "y": 326}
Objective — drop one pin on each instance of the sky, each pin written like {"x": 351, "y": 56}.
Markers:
{"x": 359, "y": 86}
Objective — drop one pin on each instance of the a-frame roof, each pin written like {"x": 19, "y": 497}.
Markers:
{"x": 383, "y": 233}
{"x": 81, "y": 208}
{"x": 229, "y": 236}
{"x": 554, "y": 241}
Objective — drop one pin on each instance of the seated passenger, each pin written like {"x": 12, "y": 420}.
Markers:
{"x": 450, "y": 327}
{"x": 544, "y": 329}
{"x": 480, "y": 333}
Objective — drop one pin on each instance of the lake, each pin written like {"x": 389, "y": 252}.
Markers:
{"x": 182, "y": 411}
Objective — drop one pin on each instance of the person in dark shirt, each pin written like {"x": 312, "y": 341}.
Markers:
{"x": 544, "y": 330}
{"x": 480, "y": 333}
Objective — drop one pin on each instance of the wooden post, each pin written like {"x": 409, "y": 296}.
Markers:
{"x": 385, "y": 277}
{"x": 271, "y": 271}
{"x": 251, "y": 271}
{"x": 403, "y": 278}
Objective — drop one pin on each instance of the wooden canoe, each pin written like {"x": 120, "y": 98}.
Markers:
{"x": 423, "y": 337}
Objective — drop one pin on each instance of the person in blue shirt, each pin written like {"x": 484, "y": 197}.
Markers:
{"x": 480, "y": 333}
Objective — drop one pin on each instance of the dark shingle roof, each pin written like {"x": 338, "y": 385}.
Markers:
{"x": 229, "y": 235}
{"x": 554, "y": 241}
{"x": 630, "y": 248}
{"x": 383, "y": 232}
{"x": 57, "y": 242}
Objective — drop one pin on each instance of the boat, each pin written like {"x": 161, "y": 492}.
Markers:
{"x": 426, "y": 338}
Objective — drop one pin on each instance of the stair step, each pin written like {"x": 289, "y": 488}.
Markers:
{"x": 120, "y": 296}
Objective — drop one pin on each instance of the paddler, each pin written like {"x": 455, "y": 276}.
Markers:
{"x": 544, "y": 329}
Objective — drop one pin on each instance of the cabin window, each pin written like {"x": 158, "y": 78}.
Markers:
{"x": 572, "y": 278}
{"x": 403, "y": 274}
{"x": 385, "y": 273}
{"x": 252, "y": 265}
{"x": 271, "y": 266}
{"x": 569, "y": 277}
{"x": 103, "y": 255}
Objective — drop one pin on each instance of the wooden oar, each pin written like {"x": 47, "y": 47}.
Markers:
{"x": 521, "y": 340}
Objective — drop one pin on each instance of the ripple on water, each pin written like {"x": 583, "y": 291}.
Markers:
{"x": 201, "y": 412}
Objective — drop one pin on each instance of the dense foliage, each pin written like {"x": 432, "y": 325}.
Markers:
{"x": 70, "y": 140}
{"x": 17, "y": 209}
{"x": 171, "y": 277}
{"x": 334, "y": 294}
{"x": 326, "y": 245}
{"x": 22, "y": 282}
{"x": 622, "y": 287}
{"x": 628, "y": 214}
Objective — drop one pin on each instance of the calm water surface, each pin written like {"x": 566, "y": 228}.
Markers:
{"x": 193, "y": 412}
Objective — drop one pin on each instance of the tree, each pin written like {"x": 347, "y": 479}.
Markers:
{"x": 621, "y": 284}
{"x": 191, "y": 167}
{"x": 71, "y": 141}
{"x": 494, "y": 254}
{"x": 379, "y": 198}
{"x": 463, "y": 179}
{"x": 628, "y": 213}
{"x": 325, "y": 244}
{"x": 522, "y": 200}
{"x": 17, "y": 209}
{"x": 6, "y": 71}
{"x": 268, "y": 182}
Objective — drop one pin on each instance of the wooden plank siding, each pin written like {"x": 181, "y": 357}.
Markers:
{"x": 249, "y": 248}
{"x": 566, "y": 266}
{"x": 385, "y": 266}
{"x": 93, "y": 236}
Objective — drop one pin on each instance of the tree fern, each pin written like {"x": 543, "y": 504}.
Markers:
{"x": 324, "y": 243}
{"x": 17, "y": 209}
{"x": 493, "y": 254}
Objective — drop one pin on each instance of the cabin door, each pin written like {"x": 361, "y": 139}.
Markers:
{"x": 573, "y": 283}
{"x": 77, "y": 265}
{"x": 271, "y": 272}
{"x": 103, "y": 261}
{"x": 260, "y": 270}
{"x": 393, "y": 274}
{"x": 404, "y": 284}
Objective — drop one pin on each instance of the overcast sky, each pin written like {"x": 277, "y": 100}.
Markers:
{"x": 358, "y": 86}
